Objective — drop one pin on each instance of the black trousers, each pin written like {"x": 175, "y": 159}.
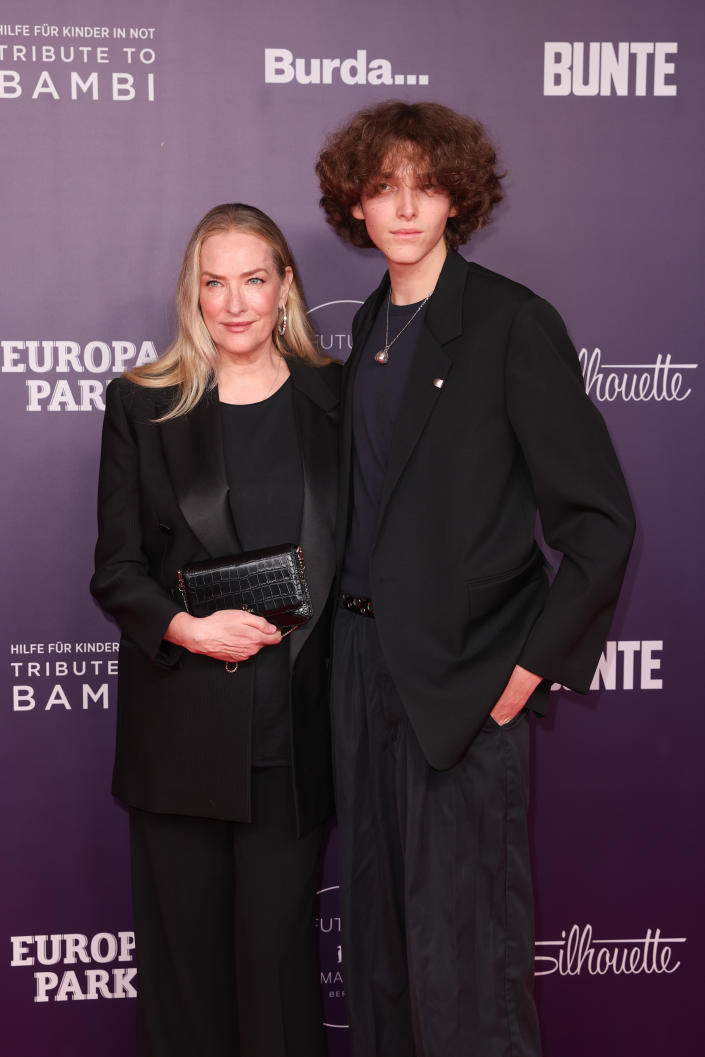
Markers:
{"x": 436, "y": 897}
{"x": 225, "y": 937}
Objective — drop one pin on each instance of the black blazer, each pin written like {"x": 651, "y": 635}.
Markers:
{"x": 184, "y": 723}
{"x": 494, "y": 423}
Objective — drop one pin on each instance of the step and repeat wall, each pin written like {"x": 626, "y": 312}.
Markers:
{"x": 121, "y": 125}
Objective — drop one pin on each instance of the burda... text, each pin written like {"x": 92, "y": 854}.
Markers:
{"x": 281, "y": 67}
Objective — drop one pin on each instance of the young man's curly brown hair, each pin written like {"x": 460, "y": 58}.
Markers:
{"x": 444, "y": 148}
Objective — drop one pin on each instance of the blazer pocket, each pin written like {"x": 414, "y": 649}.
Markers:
{"x": 489, "y": 593}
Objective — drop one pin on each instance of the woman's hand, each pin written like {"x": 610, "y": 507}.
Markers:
{"x": 228, "y": 635}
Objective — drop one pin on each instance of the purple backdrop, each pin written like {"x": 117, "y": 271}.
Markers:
{"x": 118, "y": 132}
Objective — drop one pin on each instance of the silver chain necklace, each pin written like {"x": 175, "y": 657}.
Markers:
{"x": 383, "y": 355}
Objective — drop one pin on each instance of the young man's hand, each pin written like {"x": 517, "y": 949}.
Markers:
{"x": 516, "y": 693}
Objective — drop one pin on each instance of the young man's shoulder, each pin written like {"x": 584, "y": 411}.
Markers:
{"x": 492, "y": 281}
{"x": 482, "y": 286}
{"x": 463, "y": 278}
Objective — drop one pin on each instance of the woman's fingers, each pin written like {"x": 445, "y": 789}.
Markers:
{"x": 228, "y": 635}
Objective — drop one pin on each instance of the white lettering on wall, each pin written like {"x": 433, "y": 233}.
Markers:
{"x": 55, "y": 357}
{"x": 578, "y": 952}
{"x": 627, "y": 664}
{"x": 77, "y": 949}
{"x": 602, "y": 68}
{"x": 659, "y": 381}
{"x": 281, "y": 66}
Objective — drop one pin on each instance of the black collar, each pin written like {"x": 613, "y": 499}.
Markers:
{"x": 444, "y": 312}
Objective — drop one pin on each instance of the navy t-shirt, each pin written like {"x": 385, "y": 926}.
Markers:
{"x": 377, "y": 397}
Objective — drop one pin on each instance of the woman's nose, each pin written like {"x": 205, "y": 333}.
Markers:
{"x": 234, "y": 302}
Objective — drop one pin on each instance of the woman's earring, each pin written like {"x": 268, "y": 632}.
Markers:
{"x": 282, "y": 326}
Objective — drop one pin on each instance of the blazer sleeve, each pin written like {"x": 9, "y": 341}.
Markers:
{"x": 122, "y": 583}
{"x": 580, "y": 491}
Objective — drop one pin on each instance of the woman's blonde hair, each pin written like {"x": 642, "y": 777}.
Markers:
{"x": 189, "y": 362}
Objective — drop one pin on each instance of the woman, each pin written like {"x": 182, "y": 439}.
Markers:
{"x": 226, "y": 444}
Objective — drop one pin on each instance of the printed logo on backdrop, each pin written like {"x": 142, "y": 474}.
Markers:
{"x": 73, "y": 967}
{"x": 71, "y": 62}
{"x": 330, "y": 954}
{"x": 641, "y": 68}
{"x": 66, "y": 375}
{"x": 62, "y": 676}
{"x": 627, "y": 664}
{"x": 281, "y": 66}
{"x": 580, "y": 953}
{"x": 660, "y": 381}
{"x": 331, "y": 322}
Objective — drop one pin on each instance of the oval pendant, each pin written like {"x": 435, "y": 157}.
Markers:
{"x": 382, "y": 356}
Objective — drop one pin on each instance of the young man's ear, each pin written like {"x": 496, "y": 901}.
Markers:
{"x": 357, "y": 211}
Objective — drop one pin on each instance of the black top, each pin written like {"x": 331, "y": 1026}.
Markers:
{"x": 263, "y": 465}
{"x": 377, "y": 397}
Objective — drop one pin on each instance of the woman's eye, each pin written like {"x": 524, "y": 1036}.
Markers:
{"x": 211, "y": 284}
{"x": 255, "y": 280}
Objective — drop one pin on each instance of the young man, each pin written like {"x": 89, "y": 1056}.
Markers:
{"x": 464, "y": 413}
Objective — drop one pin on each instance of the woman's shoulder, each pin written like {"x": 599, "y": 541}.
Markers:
{"x": 321, "y": 383}
{"x": 332, "y": 374}
{"x": 142, "y": 401}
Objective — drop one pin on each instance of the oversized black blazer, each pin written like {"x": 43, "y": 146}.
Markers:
{"x": 494, "y": 422}
{"x": 184, "y": 723}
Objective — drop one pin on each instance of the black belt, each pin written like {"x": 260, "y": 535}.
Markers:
{"x": 363, "y": 606}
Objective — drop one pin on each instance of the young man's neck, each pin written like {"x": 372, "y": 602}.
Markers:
{"x": 413, "y": 282}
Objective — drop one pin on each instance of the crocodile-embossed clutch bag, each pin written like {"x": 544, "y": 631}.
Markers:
{"x": 270, "y": 583}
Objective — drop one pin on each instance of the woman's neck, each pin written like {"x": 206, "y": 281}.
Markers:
{"x": 245, "y": 381}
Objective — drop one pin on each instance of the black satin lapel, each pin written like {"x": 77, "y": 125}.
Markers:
{"x": 193, "y": 448}
{"x": 319, "y": 459}
{"x": 431, "y": 364}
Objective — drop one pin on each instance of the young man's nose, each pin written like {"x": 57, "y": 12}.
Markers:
{"x": 406, "y": 204}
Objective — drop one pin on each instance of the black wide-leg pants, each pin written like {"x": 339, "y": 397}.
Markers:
{"x": 436, "y": 897}
{"x": 225, "y": 936}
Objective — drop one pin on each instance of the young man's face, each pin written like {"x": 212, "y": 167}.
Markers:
{"x": 406, "y": 221}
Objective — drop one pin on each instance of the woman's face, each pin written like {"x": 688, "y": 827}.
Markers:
{"x": 240, "y": 294}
